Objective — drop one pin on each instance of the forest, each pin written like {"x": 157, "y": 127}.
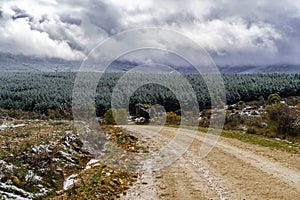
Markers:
{"x": 46, "y": 93}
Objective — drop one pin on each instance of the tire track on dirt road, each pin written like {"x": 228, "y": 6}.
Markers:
{"x": 185, "y": 178}
{"x": 228, "y": 172}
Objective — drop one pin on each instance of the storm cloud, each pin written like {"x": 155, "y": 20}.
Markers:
{"x": 260, "y": 32}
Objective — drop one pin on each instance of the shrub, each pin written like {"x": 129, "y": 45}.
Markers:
{"x": 274, "y": 98}
{"x": 109, "y": 117}
{"x": 241, "y": 105}
{"x": 256, "y": 103}
{"x": 251, "y": 130}
{"x": 232, "y": 121}
{"x": 206, "y": 113}
{"x": 115, "y": 116}
{"x": 173, "y": 119}
{"x": 284, "y": 117}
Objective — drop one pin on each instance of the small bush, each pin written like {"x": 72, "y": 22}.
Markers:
{"x": 232, "y": 121}
{"x": 173, "y": 119}
{"x": 274, "y": 98}
{"x": 116, "y": 116}
{"x": 251, "y": 130}
{"x": 109, "y": 117}
{"x": 285, "y": 119}
{"x": 241, "y": 105}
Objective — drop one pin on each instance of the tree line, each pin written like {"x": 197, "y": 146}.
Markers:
{"x": 52, "y": 92}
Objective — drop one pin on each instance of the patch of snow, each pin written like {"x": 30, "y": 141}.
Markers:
{"x": 70, "y": 181}
{"x": 55, "y": 159}
{"x": 69, "y": 132}
{"x": 40, "y": 148}
{"x": 140, "y": 120}
{"x": 6, "y": 166}
{"x": 43, "y": 191}
{"x": 31, "y": 176}
{"x": 207, "y": 175}
{"x": 18, "y": 125}
{"x": 10, "y": 190}
{"x": 3, "y": 127}
{"x": 14, "y": 188}
{"x": 278, "y": 139}
{"x": 88, "y": 165}
{"x": 8, "y": 195}
{"x": 67, "y": 156}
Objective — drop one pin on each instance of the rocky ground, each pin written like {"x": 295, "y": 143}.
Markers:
{"x": 47, "y": 159}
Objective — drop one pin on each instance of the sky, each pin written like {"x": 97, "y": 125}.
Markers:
{"x": 234, "y": 32}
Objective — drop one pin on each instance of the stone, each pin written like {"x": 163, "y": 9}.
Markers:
{"x": 59, "y": 192}
{"x": 15, "y": 180}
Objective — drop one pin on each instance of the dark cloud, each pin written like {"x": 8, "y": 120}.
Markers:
{"x": 20, "y": 13}
{"x": 18, "y": 10}
{"x": 104, "y": 15}
{"x": 70, "y": 20}
{"x": 43, "y": 19}
{"x": 234, "y": 32}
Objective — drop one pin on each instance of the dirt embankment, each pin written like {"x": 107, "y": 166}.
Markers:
{"x": 48, "y": 160}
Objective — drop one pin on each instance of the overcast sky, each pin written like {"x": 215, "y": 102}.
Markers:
{"x": 235, "y": 32}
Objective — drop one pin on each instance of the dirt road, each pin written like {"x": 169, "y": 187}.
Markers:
{"x": 232, "y": 170}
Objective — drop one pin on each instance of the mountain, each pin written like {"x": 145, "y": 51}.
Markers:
{"x": 11, "y": 62}
{"x": 283, "y": 68}
{"x": 21, "y": 63}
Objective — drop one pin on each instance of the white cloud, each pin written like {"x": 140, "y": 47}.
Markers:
{"x": 260, "y": 30}
{"x": 29, "y": 37}
{"x": 19, "y": 38}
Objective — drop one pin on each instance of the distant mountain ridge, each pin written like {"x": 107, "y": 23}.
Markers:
{"x": 280, "y": 68}
{"x": 11, "y": 62}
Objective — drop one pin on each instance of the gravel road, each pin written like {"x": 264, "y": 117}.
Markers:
{"x": 232, "y": 169}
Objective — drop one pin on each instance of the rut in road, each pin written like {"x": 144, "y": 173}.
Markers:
{"x": 185, "y": 178}
{"x": 206, "y": 178}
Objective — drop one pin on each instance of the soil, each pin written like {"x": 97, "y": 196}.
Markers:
{"x": 232, "y": 170}
{"x": 168, "y": 163}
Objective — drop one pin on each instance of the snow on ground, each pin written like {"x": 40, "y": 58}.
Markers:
{"x": 70, "y": 181}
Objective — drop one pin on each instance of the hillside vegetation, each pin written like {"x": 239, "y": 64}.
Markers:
{"x": 50, "y": 94}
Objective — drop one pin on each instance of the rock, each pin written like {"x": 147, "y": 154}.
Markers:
{"x": 96, "y": 165}
{"x": 159, "y": 176}
{"x": 111, "y": 183}
{"x": 121, "y": 181}
{"x": 74, "y": 144}
{"x": 135, "y": 176}
{"x": 58, "y": 169}
{"x": 59, "y": 192}
{"x": 126, "y": 187}
{"x": 243, "y": 128}
{"x": 115, "y": 181}
{"x": 15, "y": 180}
{"x": 263, "y": 124}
